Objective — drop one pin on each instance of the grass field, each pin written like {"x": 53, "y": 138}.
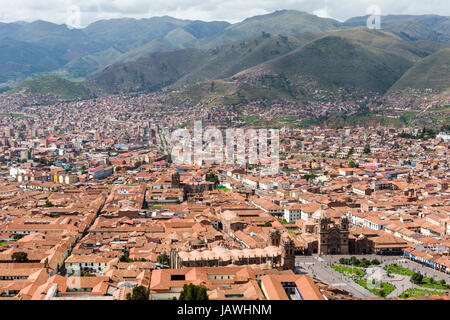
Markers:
{"x": 395, "y": 268}
{"x": 385, "y": 289}
{"x": 223, "y": 188}
{"x": 418, "y": 293}
{"x": 426, "y": 282}
{"x": 348, "y": 270}
{"x": 435, "y": 285}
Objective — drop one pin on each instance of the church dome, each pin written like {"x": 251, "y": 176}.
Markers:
{"x": 321, "y": 214}
{"x": 273, "y": 231}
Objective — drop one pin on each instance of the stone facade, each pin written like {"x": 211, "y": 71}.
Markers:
{"x": 333, "y": 236}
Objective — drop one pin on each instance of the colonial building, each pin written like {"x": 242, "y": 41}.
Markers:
{"x": 191, "y": 187}
{"x": 333, "y": 235}
{"x": 278, "y": 254}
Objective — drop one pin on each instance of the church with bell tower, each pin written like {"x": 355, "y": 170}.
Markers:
{"x": 333, "y": 236}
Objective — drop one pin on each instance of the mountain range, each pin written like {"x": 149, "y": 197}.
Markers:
{"x": 289, "y": 49}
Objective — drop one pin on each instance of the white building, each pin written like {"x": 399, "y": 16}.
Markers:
{"x": 293, "y": 213}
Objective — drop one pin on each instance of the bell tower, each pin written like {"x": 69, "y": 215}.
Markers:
{"x": 288, "y": 254}
{"x": 176, "y": 180}
{"x": 274, "y": 237}
{"x": 344, "y": 223}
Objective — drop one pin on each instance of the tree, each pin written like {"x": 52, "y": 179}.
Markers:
{"x": 48, "y": 203}
{"x": 267, "y": 224}
{"x": 193, "y": 292}
{"x": 354, "y": 261}
{"x": 139, "y": 293}
{"x": 375, "y": 262}
{"x": 364, "y": 263}
{"x": 353, "y": 164}
{"x": 310, "y": 176}
{"x": 417, "y": 278}
{"x": 138, "y": 164}
{"x": 163, "y": 259}
{"x": 422, "y": 134}
{"x": 212, "y": 177}
{"x": 366, "y": 149}
{"x": 125, "y": 257}
{"x": 19, "y": 257}
{"x": 18, "y": 236}
{"x": 442, "y": 282}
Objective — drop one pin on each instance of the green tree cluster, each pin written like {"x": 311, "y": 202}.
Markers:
{"x": 163, "y": 259}
{"x": 193, "y": 292}
{"x": 48, "y": 203}
{"x": 125, "y": 257}
{"x": 139, "y": 293}
{"x": 363, "y": 263}
{"x": 212, "y": 177}
{"x": 417, "y": 278}
{"x": 19, "y": 257}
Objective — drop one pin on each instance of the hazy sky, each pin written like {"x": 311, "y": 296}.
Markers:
{"x": 64, "y": 11}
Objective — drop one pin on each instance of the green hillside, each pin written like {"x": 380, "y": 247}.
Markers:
{"x": 88, "y": 65}
{"x": 279, "y": 22}
{"x": 152, "y": 73}
{"x": 431, "y": 72}
{"x": 293, "y": 48}
{"x": 81, "y": 53}
{"x": 179, "y": 37}
{"x": 52, "y": 85}
{"x": 92, "y": 64}
{"x": 20, "y": 59}
{"x": 186, "y": 67}
{"x": 139, "y": 38}
{"x": 126, "y": 33}
{"x": 156, "y": 45}
{"x": 371, "y": 60}
{"x": 412, "y": 31}
{"x": 389, "y": 42}
{"x": 434, "y": 22}
{"x": 329, "y": 63}
{"x": 229, "y": 59}
{"x": 339, "y": 62}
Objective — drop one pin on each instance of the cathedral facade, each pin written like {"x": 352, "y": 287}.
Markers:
{"x": 333, "y": 236}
